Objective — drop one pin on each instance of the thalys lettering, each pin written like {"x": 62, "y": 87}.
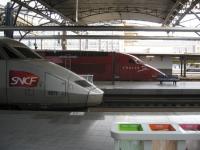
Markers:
{"x": 22, "y": 79}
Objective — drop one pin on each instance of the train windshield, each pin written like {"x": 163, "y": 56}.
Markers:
{"x": 138, "y": 61}
{"x": 28, "y": 53}
{"x": 11, "y": 54}
{"x": 83, "y": 83}
{"x": 135, "y": 60}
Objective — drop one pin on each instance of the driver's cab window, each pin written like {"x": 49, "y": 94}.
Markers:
{"x": 131, "y": 61}
{"x": 10, "y": 53}
{"x": 137, "y": 61}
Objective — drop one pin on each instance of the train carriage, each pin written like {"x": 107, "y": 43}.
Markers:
{"x": 27, "y": 78}
{"x": 104, "y": 65}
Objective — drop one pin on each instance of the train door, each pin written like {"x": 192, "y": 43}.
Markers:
{"x": 3, "y": 79}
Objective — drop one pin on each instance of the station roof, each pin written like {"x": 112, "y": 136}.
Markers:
{"x": 93, "y": 11}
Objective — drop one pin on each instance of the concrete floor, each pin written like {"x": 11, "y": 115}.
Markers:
{"x": 150, "y": 88}
{"x": 148, "y": 85}
{"x": 44, "y": 130}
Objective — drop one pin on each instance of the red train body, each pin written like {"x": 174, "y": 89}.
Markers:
{"x": 104, "y": 66}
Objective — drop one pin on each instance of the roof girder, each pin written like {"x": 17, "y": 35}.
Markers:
{"x": 100, "y": 28}
{"x": 174, "y": 11}
{"x": 42, "y": 10}
{"x": 111, "y": 37}
{"x": 189, "y": 5}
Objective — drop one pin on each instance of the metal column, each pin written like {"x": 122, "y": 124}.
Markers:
{"x": 113, "y": 68}
{"x": 181, "y": 58}
{"x": 184, "y": 65}
{"x": 63, "y": 40}
{"x": 76, "y": 11}
{"x": 9, "y": 20}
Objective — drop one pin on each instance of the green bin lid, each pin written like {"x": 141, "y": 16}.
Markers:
{"x": 130, "y": 127}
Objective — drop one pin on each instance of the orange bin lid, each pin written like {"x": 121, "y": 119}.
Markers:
{"x": 161, "y": 127}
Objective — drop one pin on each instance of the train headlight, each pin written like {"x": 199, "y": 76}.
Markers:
{"x": 83, "y": 83}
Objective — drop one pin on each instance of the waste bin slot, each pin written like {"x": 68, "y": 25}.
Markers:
{"x": 161, "y": 127}
{"x": 191, "y": 144}
{"x": 190, "y": 127}
{"x": 163, "y": 144}
{"x": 130, "y": 127}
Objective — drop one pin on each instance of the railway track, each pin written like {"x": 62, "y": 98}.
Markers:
{"x": 153, "y": 101}
{"x": 148, "y": 103}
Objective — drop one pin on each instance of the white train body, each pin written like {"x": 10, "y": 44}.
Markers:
{"x": 26, "y": 78}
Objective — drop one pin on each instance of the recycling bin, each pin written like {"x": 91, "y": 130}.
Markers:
{"x": 163, "y": 144}
{"x": 129, "y": 144}
{"x": 191, "y": 144}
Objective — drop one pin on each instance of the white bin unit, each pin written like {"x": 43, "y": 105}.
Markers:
{"x": 129, "y": 145}
{"x": 193, "y": 145}
{"x": 145, "y": 138}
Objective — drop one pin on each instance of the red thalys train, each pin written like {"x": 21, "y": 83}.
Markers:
{"x": 104, "y": 66}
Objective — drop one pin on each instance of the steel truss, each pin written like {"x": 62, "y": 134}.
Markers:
{"x": 43, "y": 10}
{"x": 179, "y": 11}
{"x": 91, "y": 12}
{"x": 18, "y": 20}
{"x": 110, "y": 37}
{"x": 2, "y": 13}
{"x": 100, "y": 28}
{"x": 174, "y": 12}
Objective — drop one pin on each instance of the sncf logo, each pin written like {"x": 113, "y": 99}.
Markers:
{"x": 22, "y": 79}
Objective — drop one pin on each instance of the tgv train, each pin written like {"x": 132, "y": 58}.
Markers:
{"x": 105, "y": 66}
{"x": 27, "y": 78}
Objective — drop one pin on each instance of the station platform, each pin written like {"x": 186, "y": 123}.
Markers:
{"x": 150, "y": 88}
{"x": 45, "y": 130}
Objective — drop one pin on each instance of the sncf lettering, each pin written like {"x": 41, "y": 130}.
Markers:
{"x": 22, "y": 79}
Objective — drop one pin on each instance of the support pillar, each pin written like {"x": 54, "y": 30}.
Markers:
{"x": 80, "y": 44}
{"x": 99, "y": 48}
{"x": 41, "y": 44}
{"x": 76, "y": 11}
{"x": 9, "y": 20}
{"x": 113, "y": 68}
{"x": 184, "y": 69}
{"x": 181, "y": 59}
{"x": 63, "y": 41}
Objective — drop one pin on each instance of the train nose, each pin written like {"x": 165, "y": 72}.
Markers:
{"x": 156, "y": 74}
{"x": 95, "y": 97}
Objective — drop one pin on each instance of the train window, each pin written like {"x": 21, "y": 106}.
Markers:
{"x": 27, "y": 52}
{"x": 83, "y": 83}
{"x": 10, "y": 53}
{"x": 131, "y": 61}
